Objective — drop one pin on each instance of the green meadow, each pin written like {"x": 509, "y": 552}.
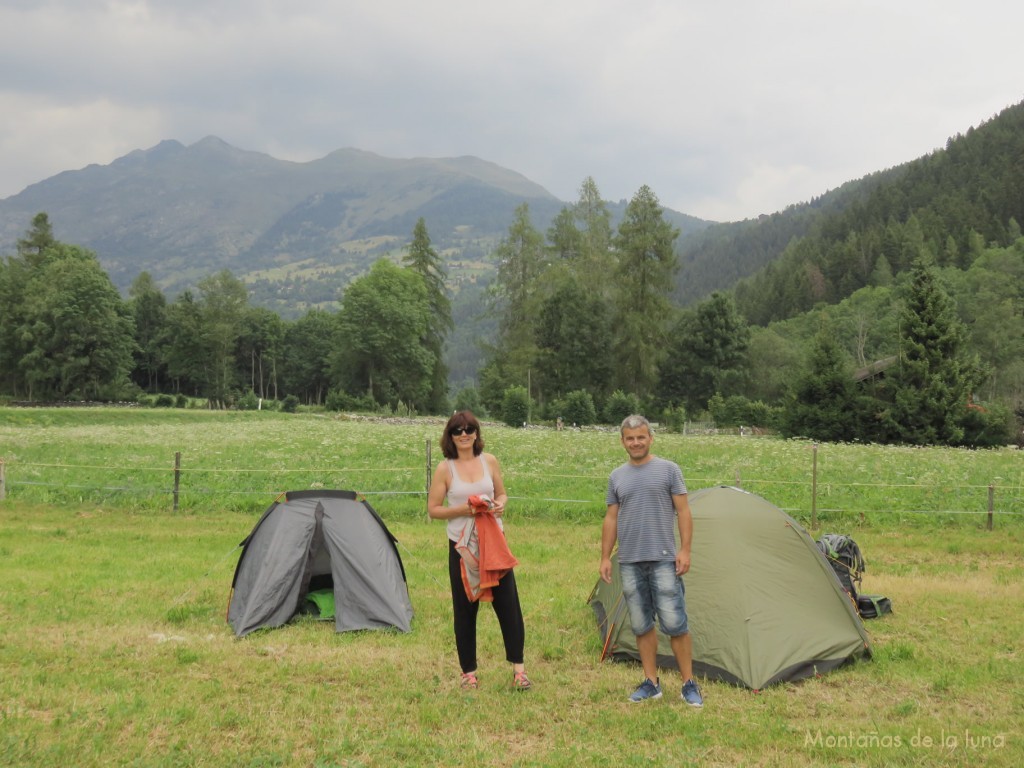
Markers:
{"x": 114, "y": 648}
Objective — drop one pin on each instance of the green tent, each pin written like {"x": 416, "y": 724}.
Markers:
{"x": 763, "y": 603}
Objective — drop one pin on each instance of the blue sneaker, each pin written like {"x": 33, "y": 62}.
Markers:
{"x": 646, "y": 690}
{"x": 691, "y": 694}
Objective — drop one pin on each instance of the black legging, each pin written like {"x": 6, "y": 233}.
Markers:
{"x": 506, "y": 608}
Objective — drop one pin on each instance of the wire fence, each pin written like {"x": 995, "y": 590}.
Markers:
{"x": 556, "y": 494}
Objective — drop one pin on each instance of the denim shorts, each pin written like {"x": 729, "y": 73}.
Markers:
{"x": 653, "y": 588}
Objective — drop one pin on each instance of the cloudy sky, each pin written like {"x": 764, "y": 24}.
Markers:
{"x": 726, "y": 109}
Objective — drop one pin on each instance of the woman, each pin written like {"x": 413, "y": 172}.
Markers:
{"x": 469, "y": 472}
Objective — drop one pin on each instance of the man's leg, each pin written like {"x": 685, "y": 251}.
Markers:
{"x": 647, "y": 645}
{"x": 636, "y": 591}
{"x": 682, "y": 648}
{"x": 672, "y": 613}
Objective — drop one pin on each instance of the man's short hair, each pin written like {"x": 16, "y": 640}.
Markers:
{"x": 634, "y": 421}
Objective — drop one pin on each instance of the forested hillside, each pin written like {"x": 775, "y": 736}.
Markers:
{"x": 846, "y": 281}
{"x": 719, "y": 256}
{"x": 931, "y": 354}
{"x": 952, "y": 204}
{"x": 952, "y": 201}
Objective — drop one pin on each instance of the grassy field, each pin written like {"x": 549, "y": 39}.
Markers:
{"x": 125, "y": 458}
{"x": 114, "y": 649}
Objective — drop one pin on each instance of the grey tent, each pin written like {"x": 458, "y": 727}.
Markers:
{"x": 308, "y": 541}
{"x": 764, "y": 604}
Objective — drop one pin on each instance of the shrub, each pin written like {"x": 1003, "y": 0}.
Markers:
{"x": 339, "y": 400}
{"x": 737, "y": 411}
{"x": 398, "y": 409}
{"x": 674, "y": 418}
{"x": 290, "y": 404}
{"x": 468, "y": 399}
{"x": 578, "y": 408}
{"x": 515, "y": 406}
{"x": 248, "y": 401}
{"x": 619, "y": 406}
{"x": 987, "y": 428}
{"x": 335, "y": 400}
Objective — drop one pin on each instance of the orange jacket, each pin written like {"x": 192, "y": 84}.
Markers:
{"x": 485, "y": 556}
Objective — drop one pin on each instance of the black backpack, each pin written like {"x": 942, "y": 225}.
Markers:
{"x": 846, "y": 559}
{"x": 873, "y": 606}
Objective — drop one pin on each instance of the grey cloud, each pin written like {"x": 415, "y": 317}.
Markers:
{"x": 725, "y": 110}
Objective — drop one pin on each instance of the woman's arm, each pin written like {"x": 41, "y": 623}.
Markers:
{"x": 500, "y": 496}
{"x": 436, "y": 508}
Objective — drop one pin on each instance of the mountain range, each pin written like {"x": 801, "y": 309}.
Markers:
{"x": 296, "y": 233}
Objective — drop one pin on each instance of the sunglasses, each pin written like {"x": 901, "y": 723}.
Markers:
{"x": 456, "y": 431}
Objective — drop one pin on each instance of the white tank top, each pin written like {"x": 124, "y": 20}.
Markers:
{"x": 459, "y": 491}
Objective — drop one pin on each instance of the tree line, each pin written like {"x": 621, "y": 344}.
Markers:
{"x": 66, "y": 333}
{"x": 588, "y": 331}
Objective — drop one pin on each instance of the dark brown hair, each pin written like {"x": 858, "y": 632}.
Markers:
{"x": 461, "y": 419}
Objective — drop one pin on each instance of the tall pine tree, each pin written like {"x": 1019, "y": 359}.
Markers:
{"x": 932, "y": 381}
{"x": 149, "y": 310}
{"x": 521, "y": 262}
{"x": 595, "y": 260}
{"x": 422, "y": 259}
{"x": 707, "y": 355}
{"x": 643, "y": 281}
{"x": 823, "y": 404}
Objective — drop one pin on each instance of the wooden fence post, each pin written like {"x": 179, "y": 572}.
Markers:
{"x": 991, "y": 503}
{"x": 814, "y": 489}
{"x": 428, "y": 467}
{"x": 177, "y": 477}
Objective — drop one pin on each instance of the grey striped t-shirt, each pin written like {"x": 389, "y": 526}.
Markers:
{"x": 647, "y": 518}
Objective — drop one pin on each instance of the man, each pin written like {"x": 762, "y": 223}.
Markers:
{"x": 646, "y": 503}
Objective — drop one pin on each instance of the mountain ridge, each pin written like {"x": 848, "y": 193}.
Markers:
{"x": 181, "y": 211}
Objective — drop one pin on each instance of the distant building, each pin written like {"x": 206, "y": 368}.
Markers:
{"x": 875, "y": 369}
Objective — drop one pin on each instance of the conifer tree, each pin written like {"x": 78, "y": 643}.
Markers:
{"x": 643, "y": 281}
{"x": 823, "y": 403}
{"x": 37, "y": 240}
{"x": 149, "y": 310}
{"x": 573, "y": 335}
{"x": 566, "y": 240}
{"x": 64, "y": 329}
{"x": 521, "y": 262}
{"x": 595, "y": 260}
{"x": 424, "y": 260}
{"x": 707, "y": 354}
{"x": 932, "y": 382}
